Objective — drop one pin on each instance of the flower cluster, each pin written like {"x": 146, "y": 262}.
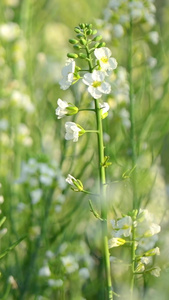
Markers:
{"x": 40, "y": 175}
{"x": 100, "y": 65}
{"x": 141, "y": 226}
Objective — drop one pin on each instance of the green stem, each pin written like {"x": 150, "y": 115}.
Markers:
{"x": 102, "y": 179}
{"x": 132, "y": 119}
{"x": 86, "y": 109}
{"x": 133, "y": 147}
{"x": 103, "y": 186}
{"x": 90, "y": 130}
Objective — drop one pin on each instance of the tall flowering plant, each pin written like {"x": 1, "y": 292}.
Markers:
{"x": 135, "y": 230}
{"x": 99, "y": 66}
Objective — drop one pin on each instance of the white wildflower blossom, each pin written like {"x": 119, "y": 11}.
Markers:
{"x": 152, "y": 62}
{"x": 70, "y": 179}
{"x": 36, "y": 195}
{"x": 55, "y": 282}
{"x": 154, "y": 251}
{"x": 49, "y": 254}
{"x": 106, "y": 62}
{"x": 122, "y": 227}
{"x": 115, "y": 4}
{"x": 146, "y": 260}
{"x": 65, "y": 108}
{"x": 146, "y": 227}
{"x": 72, "y": 131}
{"x": 96, "y": 83}
{"x": 116, "y": 242}
{"x": 9, "y": 31}
{"x": 1, "y": 199}
{"x": 22, "y": 100}
{"x": 118, "y": 30}
{"x": 44, "y": 271}
{"x": 61, "y": 111}
{"x": 154, "y": 37}
{"x": 84, "y": 273}
{"x": 4, "y": 124}
{"x": 70, "y": 263}
{"x": 147, "y": 243}
{"x": 104, "y": 109}
{"x": 140, "y": 267}
{"x": 156, "y": 271}
{"x": 68, "y": 74}
{"x": 125, "y": 116}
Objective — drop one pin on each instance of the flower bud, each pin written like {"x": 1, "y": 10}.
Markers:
{"x": 82, "y": 55}
{"x": 72, "y": 110}
{"x": 83, "y": 41}
{"x": 82, "y": 25}
{"x": 102, "y": 45}
{"x": 77, "y": 47}
{"x": 89, "y": 32}
{"x": 76, "y": 184}
{"x": 73, "y": 41}
{"x": 77, "y": 69}
{"x": 79, "y": 35}
{"x": 72, "y": 55}
{"x": 116, "y": 242}
{"x": 94, "y": 31}
{"x": 77, "y": 30}
{"x": 89, "y": 26}
{"x": 97, "y": 38}
{"x": 96, "y": 45}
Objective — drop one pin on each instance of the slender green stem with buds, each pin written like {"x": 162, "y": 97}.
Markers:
{"x": 103, "y": 186}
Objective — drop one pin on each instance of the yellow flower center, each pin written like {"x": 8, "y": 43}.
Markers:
{"x": 104, "y": 59}
{"x": 96, "y": 84}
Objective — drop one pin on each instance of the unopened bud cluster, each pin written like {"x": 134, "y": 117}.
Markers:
{"x": 86, "y": 36}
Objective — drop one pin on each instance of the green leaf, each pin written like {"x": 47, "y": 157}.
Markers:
{"x": 11, "y": 247}
{"x": 2, "y": 221}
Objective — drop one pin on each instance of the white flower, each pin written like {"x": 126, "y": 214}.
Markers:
{"x": 68, "y": 74}
{"x": 9, "y": 31}
{"x": 61, "y": 110}
{"x": 107, "y": 63}
{"x": 65, "y": 108}
{"x": 84, "y": 273}
{"x": 70, "y": 180}
{"x": 147, "y": 243}
{"x": 44, "y": 271}
{"x": 118, "y": 30}
{"x": 154, "y": 37}
{"x": 154, "y": 251}
{"x": 114, "y": 4}
{"x": 55, "y": 282}
{"x": 116, "y": 242}
{"x": 1, "y": 199}
{"x": 156, "y": 272}
{"x": 75, "y": 183}
{"x": 146, "y": 227}
{"x": 146, "y": 260}
{"x": 72, "y": 131}
{"x": 69, "y": 263}
{"x": 36, "y": 195}
{"x": 96, "y": 83}
{"x": 152, "y": 61}
{"x": 122, "y": 227}
{"x": 105, "y": 107}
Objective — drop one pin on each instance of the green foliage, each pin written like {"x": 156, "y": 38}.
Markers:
{"x": 60, "y": 256}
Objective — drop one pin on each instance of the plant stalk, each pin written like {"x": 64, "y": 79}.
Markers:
{"x": 133, "y": 148}
{"x": 103, "y": 186}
